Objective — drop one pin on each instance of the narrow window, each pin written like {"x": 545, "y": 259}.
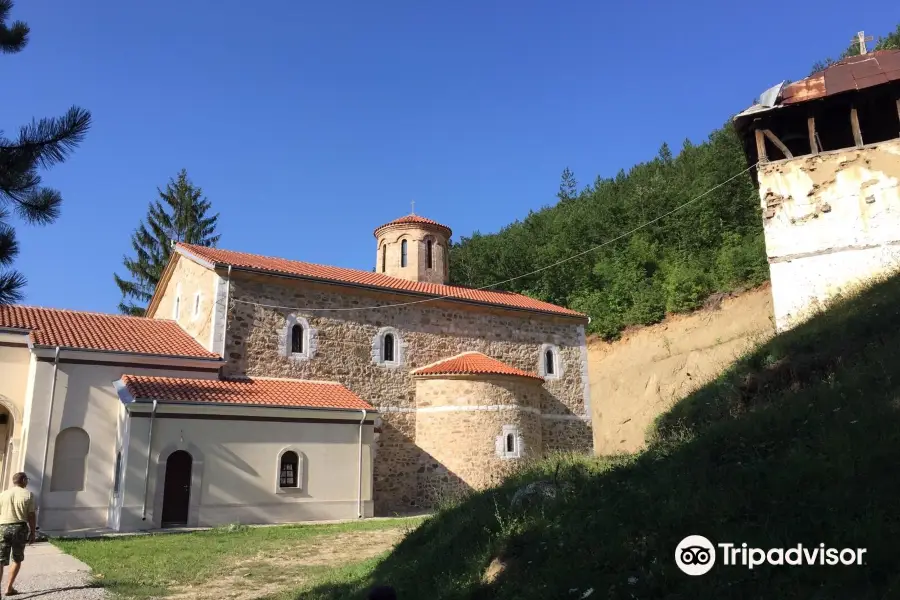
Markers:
{"x": 297, "y": 339}
{"x": 177, "y": 310}
{"x": 388, "y": 348}
{"x": 288, "y": 473}
{"x": 403, "y": 253}
{"x": 429, "y": 252}
{"x": 384, "y": 258}
{"x": 118, "y": 477}
{"x": 510, "y": 443}
{"x": 548, "y": 362}
{"x": 197, "y": 305}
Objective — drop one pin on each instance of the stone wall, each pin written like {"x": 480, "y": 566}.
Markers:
{"x": 389, "y": 243}
{"x": 187, "y": 280}
{"x": 832, "y": 221}
{"x": 428, "y": 332}
{"x": 461, "y": 424}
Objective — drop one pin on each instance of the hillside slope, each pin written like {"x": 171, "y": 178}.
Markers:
{"x": 798, "y": 442}
{"x": 642, "y": 374}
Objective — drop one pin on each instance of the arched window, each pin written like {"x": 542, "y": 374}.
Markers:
{"x": 387, "y": 348}
{"x": 297, "y": 339}
{"x": 289, "y": 470}
{"x": 549, "y": 365}
{"x": 429, "y": 253}
{"x": 177, "y": 310}
{"x": 510, "y": 443}
{"x": 403, "y": 253}
{"x": 70, "y": 460}
{"x": 384, "y": 258}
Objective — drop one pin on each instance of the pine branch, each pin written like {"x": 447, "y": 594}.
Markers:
{"x": 49, "y": 141}
{"x": 40, "y": 207}
{"x": 9, "y": 247}
{"x": 13, "y": 38}
{"x": 11, "y": 284}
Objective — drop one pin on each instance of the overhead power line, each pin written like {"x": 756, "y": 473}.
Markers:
{"x": 529, "y": 274}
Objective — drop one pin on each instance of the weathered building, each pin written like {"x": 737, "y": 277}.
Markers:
{"x": 828, "y": 174}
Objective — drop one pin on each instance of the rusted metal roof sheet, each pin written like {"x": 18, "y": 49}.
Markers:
{"x": 854, "y": 73}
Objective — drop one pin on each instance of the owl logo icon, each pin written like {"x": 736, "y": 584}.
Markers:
{"x": 695, "y": 555}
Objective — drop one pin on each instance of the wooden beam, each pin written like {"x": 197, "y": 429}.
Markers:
{"x": 857, "y": 133}
{"x": 811, "y": 128}
{"x": 774, "y": 139}
{"x": 761, "y": 147}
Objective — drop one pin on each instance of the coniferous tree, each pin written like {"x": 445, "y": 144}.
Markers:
{"x": 43, "y": 143}
{"x": 179, "y": 215}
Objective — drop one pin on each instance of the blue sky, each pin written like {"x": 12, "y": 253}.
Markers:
{"x": 309, "y": 124}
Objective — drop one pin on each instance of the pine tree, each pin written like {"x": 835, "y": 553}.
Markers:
{"x": 568, "y": 187}
{"x": 179, "y": 215}
{"x": 43, "y": 143}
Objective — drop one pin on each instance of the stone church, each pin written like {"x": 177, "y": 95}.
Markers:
{"x": 267, "y": 390}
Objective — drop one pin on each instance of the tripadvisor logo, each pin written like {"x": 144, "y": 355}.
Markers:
{"x": 696, "y": 555}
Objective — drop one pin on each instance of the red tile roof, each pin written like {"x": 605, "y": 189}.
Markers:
{"x": 417, "y": 220}
{"x": 217, "y": 256}
{"x": 853, "y": 73}
{"x": 472, "y": 363}
{"x": 96, "y": 331}
{"x": 247, "y": 391}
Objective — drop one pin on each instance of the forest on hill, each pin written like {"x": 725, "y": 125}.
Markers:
{"x": 673, "y": 265}
{"x": 713, "y": 245}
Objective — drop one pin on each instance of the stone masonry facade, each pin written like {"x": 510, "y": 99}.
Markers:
{"x": 407, "y": 477}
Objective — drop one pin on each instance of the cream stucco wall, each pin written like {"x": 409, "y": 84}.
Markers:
{"x": 236, "y": 466}
{"x": 15, "y": 366}
{"x": 85, "y": 398}
{"x": 187, "y": 280}
{"x": 831, "y": 222}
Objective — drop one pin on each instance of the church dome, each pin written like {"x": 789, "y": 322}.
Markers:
{"x": 414, "y": 219}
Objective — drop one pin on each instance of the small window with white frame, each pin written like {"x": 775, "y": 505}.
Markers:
{"x": 298, "y": 339}
{"x": 549, "y": 363}
{"x": 176, "y": 306}
{"x": 289, "y": 477}
{"x": 387, "y": 347}
{"x": 509, "y": 443}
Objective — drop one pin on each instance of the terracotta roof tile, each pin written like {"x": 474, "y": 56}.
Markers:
{"x": 97, "y": 331}
{"x": 375, "y": 280}
{"x": 417, "y": 220}
{"x": 249, "y": 391}
{"x": 472, "y": 363}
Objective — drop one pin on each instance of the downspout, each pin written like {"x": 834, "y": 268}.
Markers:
{"x": 359, "y": 511}
{"x": 47, "y": 440}
{"x": 147, "y": 470}
{"x": 225, "y": 324}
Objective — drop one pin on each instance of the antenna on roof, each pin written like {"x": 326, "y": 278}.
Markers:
{"x": 413, "y": 208}
{"x": 862, "y": 39}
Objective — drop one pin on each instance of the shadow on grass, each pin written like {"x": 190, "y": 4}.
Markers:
{"x": 798, "y": 443}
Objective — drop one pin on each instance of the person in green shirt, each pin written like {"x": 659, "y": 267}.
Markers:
{"x": 17, "y": 527}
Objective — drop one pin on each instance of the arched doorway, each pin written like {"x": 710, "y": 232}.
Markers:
{"x": 7, "y": 450}
{"x": 177, "y": 489}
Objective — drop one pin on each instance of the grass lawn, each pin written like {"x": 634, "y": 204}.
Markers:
{"x": 243, "y": 562}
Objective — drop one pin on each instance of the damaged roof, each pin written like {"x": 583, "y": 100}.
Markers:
{"x": 851, "y": 74}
